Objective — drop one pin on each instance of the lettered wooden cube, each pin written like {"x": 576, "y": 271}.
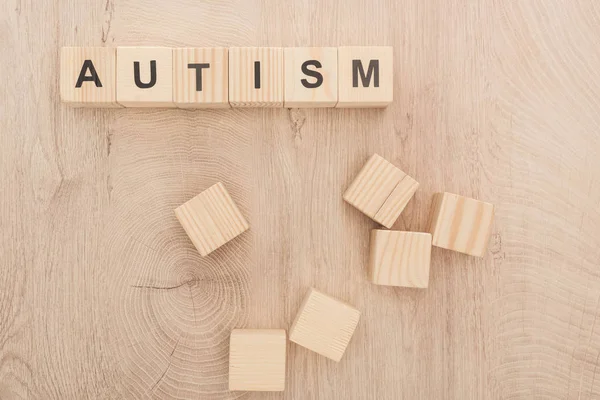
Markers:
{"x": 366, "y": 76}
{"x": 88, "y": 76}
{"x": 461, "y": 224}
{"x": 211, "y": 219}
{"x": 381, "y": 190}
{"x": 310, "y": 76}
{"x": 257, "y": 360}
{"x": 324, "y": 325}
{"x": 256, "y": 76}
{"x": 400, "y": 258}
{"x": 201, "y": 77}
{"x": 145, "y": 76}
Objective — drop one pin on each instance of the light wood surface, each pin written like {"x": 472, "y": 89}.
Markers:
{"x": 324, "y": 325}
{"x": 98, "y": 65}
{"x": 211, "y": 219}
{"x": 493, "y": 99}
{"x": 257, "y": 360}
{"x": 461, "y": 224}
{"x": 212, "y": 90}
{"x": 400, "y": 258}
{"x": 159, "y": 92}
{"x": 299, "y": 94}
{"x": 381, "y": 190}
{"x": 369, "y": 82}
{"x": 256, "y": 76}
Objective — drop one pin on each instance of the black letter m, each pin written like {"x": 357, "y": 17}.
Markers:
{"x": 357, "y": 68}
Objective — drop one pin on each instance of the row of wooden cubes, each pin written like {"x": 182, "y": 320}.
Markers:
{"x": 227, "y": 77}
{"x": 381, "y": 191}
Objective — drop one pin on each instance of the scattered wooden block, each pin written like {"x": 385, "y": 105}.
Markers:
{"x": 461, "y": 224}
{"x": 88, "y": 76}
{"x": 257, "y": 360}
{"x": 211, "y": 219}
{"x": 381, "y": 190}
{"x": 400, "y": 258}
{"x": 201, "y": 77}
{"x": 324, "y": 325}
{"x": 366, "y": 77}
{"x": 256, "y": 76}
{"x": 145, "y": 76}
{"x": 310, "y": 76}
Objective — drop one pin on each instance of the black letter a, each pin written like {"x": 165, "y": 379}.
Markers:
{"x": 87, "y": 64}
{"x": 136, "y": 75}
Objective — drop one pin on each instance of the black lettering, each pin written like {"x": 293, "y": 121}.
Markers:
{"x": 136, "y": 75}
{"x": 314, "y": 74}
{"x": 256, "y": 74}
{"x": 199, "y": 68}
{"x": 357, "y": 68}
{"x": 83, "y": 77}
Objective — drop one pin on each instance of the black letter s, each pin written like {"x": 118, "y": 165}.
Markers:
{"x": 314, "y": 74}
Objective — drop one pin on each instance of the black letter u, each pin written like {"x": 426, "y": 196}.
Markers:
{"x": 136, "y": 75}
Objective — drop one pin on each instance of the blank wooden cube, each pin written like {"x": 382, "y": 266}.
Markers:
{"x": 256, "y": 76}
{"x": 461, "y": 224}
{"x": 257, "y": 360}
{"x": 365, "y": 77}
{"x": 324, "y": 325}
{"x": 201, "y": 77}
{"x": 310, "y": 76}
{"x": 145, "y": 76}
{"x": 88, "y": 76}
{"x": 211, "y": 219}
{"x": 381, "y": 190}
{"x": 400, "y": 258}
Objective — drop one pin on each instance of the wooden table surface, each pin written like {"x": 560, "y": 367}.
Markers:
{"x": 102, "y": 295}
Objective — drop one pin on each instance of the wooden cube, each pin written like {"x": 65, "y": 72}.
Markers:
{"x": 145, "y": 76}
{"x": 365, "y": 77}
{"x": 310, "y": 76}
{"x": 324, "y": 325}
{"x": 256, "y": 76}
{"x": 257, "y": 360}
{"x": 201, "y": 77}
{"x": 461, "y": 224}
{"x": 88, "y": 76}
{"x": 381, "y": 190}
{"x": 211, "y": 219}
{"x": 400, "y": 258}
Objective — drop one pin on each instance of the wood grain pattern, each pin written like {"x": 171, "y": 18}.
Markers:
{"x": 298, "y": 95}
{"x": 393, "y": 206}
{"x": 400, "y": 258}
{"x": 89, "y": 94}
{"x": 378, "y": 91}
{"x": 211, "y": 219}
{"x": 381, "y": 190}
{"x": 461, "y": 224}
{"x": 324, "y": 325}
{"x": 160, "y": 94}
{"x": 103, "y": 295}
{"x": 257, "y": 360}
{"x": 214, "y": 91}
{"x": 245, "y": 90}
